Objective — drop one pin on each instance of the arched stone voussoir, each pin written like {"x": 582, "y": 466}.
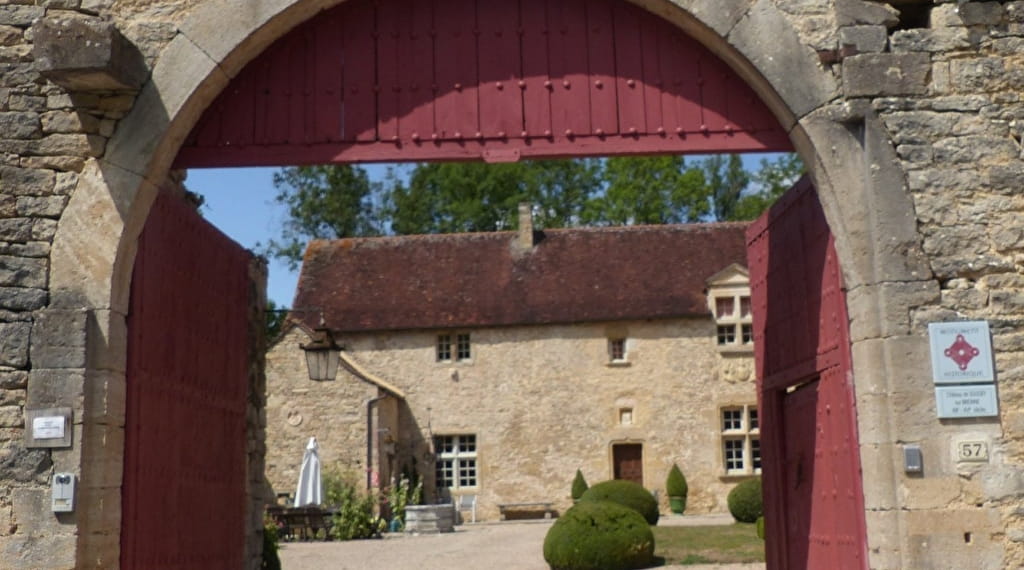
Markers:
{"x": 707, "y": 21}
{"x": 862, "y": 188}
{"x": 766, "y": 39}
{"x": 94, "y": 246}
{"x": 254, "y": 25}
{"x": 183, "y": 83}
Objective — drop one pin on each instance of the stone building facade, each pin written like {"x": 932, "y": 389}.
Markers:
{"x": 635, "y": 374}
{"x": 908, "y": 114}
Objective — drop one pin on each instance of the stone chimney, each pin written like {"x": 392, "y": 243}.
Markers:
{"x": 526, "y": 225}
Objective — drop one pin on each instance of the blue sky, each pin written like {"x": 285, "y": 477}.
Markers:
{"x": 240, "y": 202}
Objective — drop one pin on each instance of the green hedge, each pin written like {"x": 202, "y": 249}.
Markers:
{"x": 599, "y": 535}
{"x": 627, "y": 494}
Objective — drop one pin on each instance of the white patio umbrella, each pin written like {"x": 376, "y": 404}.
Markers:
{"x": 310, "y": 490}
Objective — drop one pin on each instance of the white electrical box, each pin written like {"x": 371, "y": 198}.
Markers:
{"x": 63, "y": 492}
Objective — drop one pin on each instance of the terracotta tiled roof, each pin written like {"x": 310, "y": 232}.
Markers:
{"x": 487, "y": 279}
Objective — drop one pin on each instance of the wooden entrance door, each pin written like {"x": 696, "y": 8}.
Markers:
{"x": 628, "y": 462}
{"x": 813, "y": 494}
{"x": 185, "y": 459}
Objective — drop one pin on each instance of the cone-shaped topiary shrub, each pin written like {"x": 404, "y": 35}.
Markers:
{"x": 599, "y": 535}
{"x": 627, "y": 494}
{"x": 676, "y": 488}
{"x": 579, "y": 486}
{"x": 745, "y": 502}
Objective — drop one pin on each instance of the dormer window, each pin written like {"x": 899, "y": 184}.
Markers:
{"x": 733, "y": 320}
{"x": 729, "y": 301}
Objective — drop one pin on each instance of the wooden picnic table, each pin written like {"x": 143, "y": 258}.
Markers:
{"x": 302, "y": 523}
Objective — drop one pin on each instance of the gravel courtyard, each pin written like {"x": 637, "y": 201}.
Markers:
{"x": 491, "y": 546}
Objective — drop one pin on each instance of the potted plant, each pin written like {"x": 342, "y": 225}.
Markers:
{"x": 579, "y": 486}
{"x": 676, "y": 488}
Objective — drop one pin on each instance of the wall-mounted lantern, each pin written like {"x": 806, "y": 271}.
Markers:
{"x": 322, "y": 355}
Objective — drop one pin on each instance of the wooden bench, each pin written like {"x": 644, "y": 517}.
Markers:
{"x": 504, "y": 509}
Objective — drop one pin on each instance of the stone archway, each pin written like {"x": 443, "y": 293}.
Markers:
{"x": 850, "y": 157}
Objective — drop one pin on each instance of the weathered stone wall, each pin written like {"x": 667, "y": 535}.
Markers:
{"x": 541, "y": 400}
{"x": 926, "y": 106}
{"x": 258, "y": 492}
{"x": 298, "y": 408}
{"x": 953, "y": 114}
{"x": 45, "y": 139}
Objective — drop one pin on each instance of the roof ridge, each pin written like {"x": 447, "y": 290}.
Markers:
{"x": 692, "y": 226}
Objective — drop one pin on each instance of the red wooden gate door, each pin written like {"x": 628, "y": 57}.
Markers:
{"x": 379, "y": 80}
{"x": 814, "y": 505}
{"x": 183, "y": 496}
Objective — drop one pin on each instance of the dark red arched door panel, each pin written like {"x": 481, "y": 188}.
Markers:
{"x": 409, "y": 80}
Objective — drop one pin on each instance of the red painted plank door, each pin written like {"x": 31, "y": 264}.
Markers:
{"x": 183, "y": 495}
{"x": 413, "y": 80}
{"x": 814, "y": 504}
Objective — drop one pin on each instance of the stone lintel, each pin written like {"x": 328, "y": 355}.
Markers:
{"x": 86, "y": 54}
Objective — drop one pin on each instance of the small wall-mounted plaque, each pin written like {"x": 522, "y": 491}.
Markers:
{"x": 974, "y": 450}
{"x": 48, "y": 427}
{"x": 977, "y": 401}
{"x": 961, "y": 352}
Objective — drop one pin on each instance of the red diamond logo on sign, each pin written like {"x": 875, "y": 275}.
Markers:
{"x": 961, "y": 352}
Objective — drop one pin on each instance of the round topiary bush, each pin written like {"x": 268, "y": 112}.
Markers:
{"x": 745, "y": 502}
{"x": 627, "y": 494}
{"x": 599, "y": 535}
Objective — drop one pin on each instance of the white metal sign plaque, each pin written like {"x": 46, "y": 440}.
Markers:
{"x": 961, "y": 352}
{"x": 966, "y": 401}
{"x": 48, "y": 427}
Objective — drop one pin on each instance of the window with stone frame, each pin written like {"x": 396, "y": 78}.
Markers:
{"x": 617, "y": 350}
{"x": 453, "y": 347}
{"x": 741, "y": 440}
{"x": 730, "y": 306}
{"x": 733, "y": 320}
{"x": 455, "y": 465}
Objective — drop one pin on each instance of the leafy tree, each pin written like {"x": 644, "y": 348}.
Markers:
{"x": 560, "y": 190}
{"x": 726, "y": 179}
{"x": 324, "y": 202}
{"x": 649, "y": 190}
{"x": 769, "y": 182}
{"x": 450, "y": 197}
{"x": 477, "y": 197}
